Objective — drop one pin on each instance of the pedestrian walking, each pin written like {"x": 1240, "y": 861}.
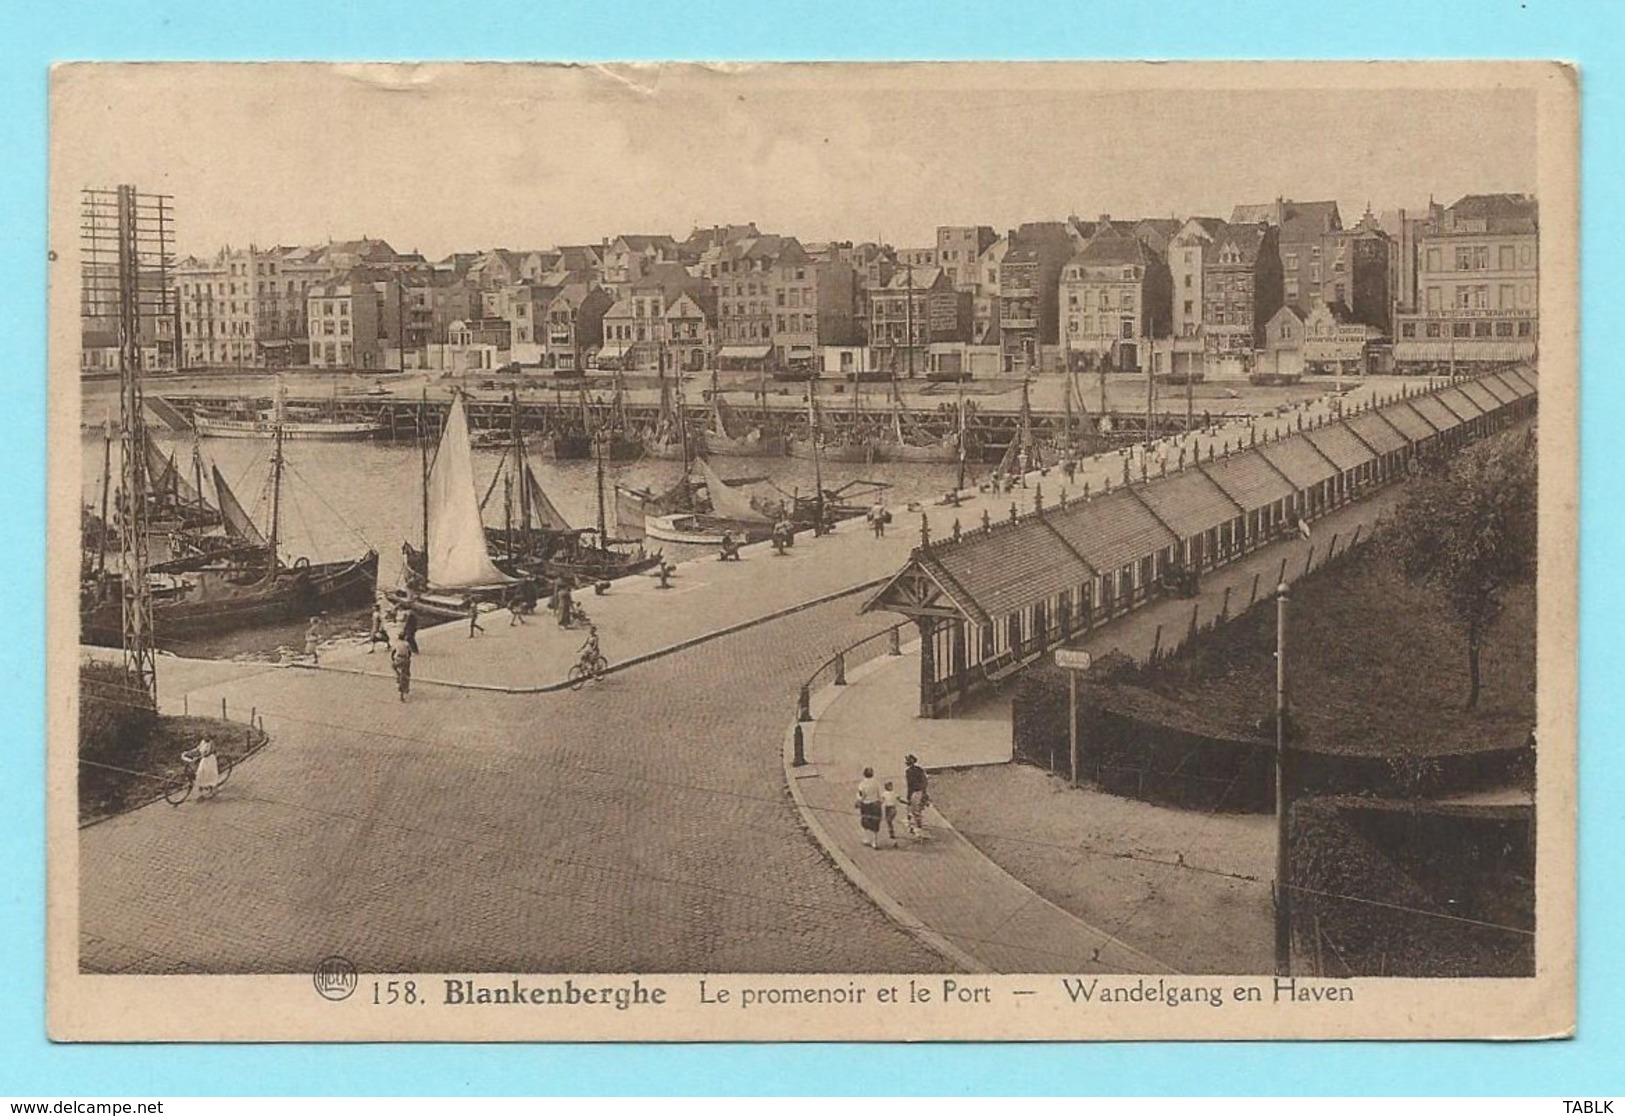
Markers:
{"x": 878, "y": 515}
{"x": 313, "y": 639}
{"x": 918, "y": 798}
{"x": 400, "y": 657}
{"x": 473, "y": 608}
{"x": 207, "y": 778}
{"x": 409, "y": 630}
{"x": 869, "y": 808}
{"x": 564, "y": 602}
{"x": 888, "y": 810}
{"x": 377, "y": 634}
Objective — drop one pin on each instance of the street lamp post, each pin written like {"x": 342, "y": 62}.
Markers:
{"x": 1283, "y": 911}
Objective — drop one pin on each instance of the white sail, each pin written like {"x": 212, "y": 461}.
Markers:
{"x": 458, "y": 558}
{"x": 727, "y": 500}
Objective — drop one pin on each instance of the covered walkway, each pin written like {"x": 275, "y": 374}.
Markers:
{"x": 990, "y": 600}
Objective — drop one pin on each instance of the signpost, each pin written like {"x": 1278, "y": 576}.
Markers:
{"x": 1072, "y": 662}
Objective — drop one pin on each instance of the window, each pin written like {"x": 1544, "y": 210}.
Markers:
{"x": 1072, "y": 325}
{"x": 1508, "y": 257}
{"x": 1434, "y": 263}
{"x": 1187, "y": 279}
{"x": 1434, "y": 329}
{"x": 781, "y": 298}
{"x": 1128, "y": 328}
{"x": 1291, "y": 261}
{"x": 1433, "y": 298}
{"x": 1474, "y": 258}
{"x": 1128, "y": 273}
{"x": 1337, "y": 292}
{"x": 1481, "y": 329}
{"x": 1291, "y": 288}
{"x": 1526, "y": 329}
{"x": 1407, "y": 329}
{"x": 1461, "y": 329}
{"x": 1128, "y": 300}
{"x": 1503, "y": 329}
{"x": 1189, "y": 306}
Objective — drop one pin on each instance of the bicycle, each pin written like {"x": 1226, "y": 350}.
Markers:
{"x": 178, "y": 789}
{"x": 592, "y": 666}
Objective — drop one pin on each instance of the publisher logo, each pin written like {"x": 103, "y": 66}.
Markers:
{"x": 335, "y": 978}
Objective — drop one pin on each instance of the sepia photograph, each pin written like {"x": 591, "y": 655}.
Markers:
{"x": 840, "y": 551}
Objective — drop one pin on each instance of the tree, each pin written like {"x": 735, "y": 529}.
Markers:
{"x": 1468, "y": 529}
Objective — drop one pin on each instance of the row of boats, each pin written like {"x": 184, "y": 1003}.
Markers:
{"x": 213, "y": 569}
{"x": 888, "y": 434}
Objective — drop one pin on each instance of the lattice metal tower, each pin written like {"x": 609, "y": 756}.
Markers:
{"x": 127, "y": 244}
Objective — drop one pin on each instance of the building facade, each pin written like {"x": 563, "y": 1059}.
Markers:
{"x": 1102, "y": 296}
{"x": 1477, "y": 285}
{"x": 1242, "y": 288}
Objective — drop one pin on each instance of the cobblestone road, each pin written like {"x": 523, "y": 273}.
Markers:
{"x": 641, "y": 825}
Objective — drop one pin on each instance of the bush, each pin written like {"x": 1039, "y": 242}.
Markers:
{"x": 117, "y": 720}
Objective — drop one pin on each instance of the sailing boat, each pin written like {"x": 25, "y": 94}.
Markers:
{"x": 232, "y": 594}
{"x": 599, "y": 560}
{"x": 541, "y": 541}
{"x": 728, "y": 435}
{"x": 671, "y": 440}
{"x": 455, "y": 563}
{"x": 853, "y": 447}
{"x": 691, "y": 511}
{"x": 616, "y": 440}
{"x": 901, "y": 442}
{"x": 1023, "y": 454}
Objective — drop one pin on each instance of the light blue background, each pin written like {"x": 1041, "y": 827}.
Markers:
{"x": 33, "y": 36}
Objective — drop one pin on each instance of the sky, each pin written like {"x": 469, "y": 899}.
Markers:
{"x": 437, "y": 159}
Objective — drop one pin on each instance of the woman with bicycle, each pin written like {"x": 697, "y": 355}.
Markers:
{"x": 207, "y": 778}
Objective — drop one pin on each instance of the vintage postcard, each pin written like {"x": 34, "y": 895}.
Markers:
{"x": 825, "y": 552}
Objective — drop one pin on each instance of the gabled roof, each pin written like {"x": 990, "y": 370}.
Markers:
{"x": 642, "y": 242}
{"x": 1111, "y": 247}
{"x": 1308, "y": 221}
{"x": 915, "y": 278}
{"x": 1499, "y": 212}
{"x": 1248, "y": 239}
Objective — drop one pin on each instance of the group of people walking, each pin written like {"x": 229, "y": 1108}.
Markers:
{"x": 878, "y": 803}
{"x": 397, "y": 630}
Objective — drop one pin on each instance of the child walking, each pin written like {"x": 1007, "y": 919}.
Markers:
{"x": 888, "y": 810}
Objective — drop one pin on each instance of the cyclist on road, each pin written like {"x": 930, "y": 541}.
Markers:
{"x": 589, "y": 652}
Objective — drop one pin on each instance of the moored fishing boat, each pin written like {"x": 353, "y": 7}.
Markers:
{"x": 248, "y": 587}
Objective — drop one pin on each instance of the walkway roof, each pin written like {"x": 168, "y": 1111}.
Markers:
{"x": 1300, "y": 461}
{"x": 1248, "y": 479}
{"x": 1188, "y": 502}
{"x": 1376, "y": 433}
{"x": 1111, "y": 530}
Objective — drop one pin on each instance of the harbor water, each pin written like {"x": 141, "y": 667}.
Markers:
{"x": 340, "y": 499}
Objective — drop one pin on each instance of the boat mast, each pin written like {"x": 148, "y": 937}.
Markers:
{"x": 598, "y": 458}
{"x": 519, "y": 471}
{"x": 423, "y": 453}
{"x": 276, "y": 474}
{"x": 960, "y": 486}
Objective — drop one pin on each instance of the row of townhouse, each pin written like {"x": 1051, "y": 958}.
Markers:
{"x": 1279, "y": 286}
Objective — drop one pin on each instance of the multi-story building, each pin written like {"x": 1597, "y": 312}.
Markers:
{"x": 1029, "y": 279}
{"x": 1187, "y": 253}
{"x": 690, "y": 323}
{"x": 1103, "y": 300}
{"x": 743, "y": 288}
{"x": 959, "y": 252}
{"x": 1242, "y": 288}
{"x": 985, "y": 300}
{"x": 1477, "y": 284}
{"x": 574, "y": 326}
{"x": 814, "y": 304}
{"x": 917, "y": 307}
{"x": 345, "y": 317}
{"x": 628, "y": 258}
